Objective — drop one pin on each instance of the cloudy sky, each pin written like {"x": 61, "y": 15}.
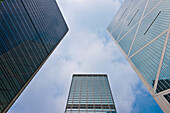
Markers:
{"x": 87, "y": 48}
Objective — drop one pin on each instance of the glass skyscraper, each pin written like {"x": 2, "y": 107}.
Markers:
{"x": 141, "y": 29}
{"x": 29, "y": 32}
{"x": 90, "y": 93}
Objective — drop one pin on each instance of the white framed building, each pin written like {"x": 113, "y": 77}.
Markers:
{"x": 141, "y": 30}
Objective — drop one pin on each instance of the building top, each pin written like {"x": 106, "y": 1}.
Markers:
{"x": 90, "y": 75}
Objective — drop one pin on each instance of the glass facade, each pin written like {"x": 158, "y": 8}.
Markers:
{"x": 30, "y": 31}
{"x": 90, "y": 94}
{"x": 167, "y": 96}
{"x": 141, "y": 29}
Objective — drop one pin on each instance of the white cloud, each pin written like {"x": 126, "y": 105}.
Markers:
{"x": 88, "y": 54}
{"x": 89, "y": 14}
{"x": 86, "y": 49}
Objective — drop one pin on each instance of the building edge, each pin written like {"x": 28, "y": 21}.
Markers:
{"x": 69, "y": 93}
{"x": 29, "y": 80}
{"x": 111, "y": 94}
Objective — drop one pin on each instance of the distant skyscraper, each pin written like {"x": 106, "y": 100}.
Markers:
{"x": 90, "y": 93}
{"x": 30, "y": 31}
{"x": 141, "y": 29}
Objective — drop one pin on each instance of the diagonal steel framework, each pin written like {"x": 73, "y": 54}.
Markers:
{"x": 158, "y": 96}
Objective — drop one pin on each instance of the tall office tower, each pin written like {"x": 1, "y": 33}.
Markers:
{"x": 90, "y": 93}
{"x": 30, "y": 31}
{"x": 141, "y": 29}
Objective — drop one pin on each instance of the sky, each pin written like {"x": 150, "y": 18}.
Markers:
{"x": 87, "y": 48}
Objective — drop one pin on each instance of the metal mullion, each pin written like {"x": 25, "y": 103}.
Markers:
{"x": 149, "y": 54}
{"x": 43, "y": 28}
{"x": 34, "y": 24}
{"x": 27, "y": 53}
{"x": 7, "y": 96}
{"x": 164, "y": 72}
{"x": 26, "y": 21}
{"x": 73, "y": 93}
{"x": 93, "y": 95}
{"x": 25, "y": 30}
{"x": 87, "y": 95}
{"x": 147, "y": 77}
{"x": 15, "y": 54}
{"x": 4, "y": 66}
{"x": 41, "y": 20}
{"x": 13, "y": 69}
{"x": 136, "y": 32}
{"x": 123, "y": 14}
{"x": 8, "y": 58}
{"x": 100, "y": 94}
{"x": 22, "y": 74}
{"x": 133, "y": 17}
{"x": 16, "y": 22}
{"x": 44, "y": 22}
{"x": 8, "y": 61}
{"x": 162, "y": 85}
{"x": 145, "y": 65}
{"x": 152, "y": 22}
{"x": 80, "y": 94}
{"x": 107, "y": 94}
{"x": 151, "y": 51}
{"x": 8, "y": 78}
{"x": 148, "y": 43}
{"x": 1, "y": 109}
{"x": 21, "y": 61}
{"x": 10, "y": 29}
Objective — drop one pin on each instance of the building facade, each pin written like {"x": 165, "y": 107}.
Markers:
{"x": 141, "y": 29}
{"x": 90, "y": 93}
{"x": 30, "y": 31}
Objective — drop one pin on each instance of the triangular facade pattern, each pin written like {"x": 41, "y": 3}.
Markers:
{"x": 152, "y": 4}
{"x": 147, "y": 60}
{"x": 127, "y": 40}
{"x": 142, "y": 36}
{"x": 133, "y": 18}
{"x": 164, "y": 78}
{"x": 149, "y": 29}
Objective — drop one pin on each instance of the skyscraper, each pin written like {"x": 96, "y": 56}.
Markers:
{"x": 90, "y": 93}
{"x": 30, "y": 31}
{"x": 141, "y": 29}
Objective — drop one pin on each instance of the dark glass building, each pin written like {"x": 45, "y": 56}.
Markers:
{"x": 29, "y": 32}
{"x": 90, "y": 93}
{"x": 141, "y": 29}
